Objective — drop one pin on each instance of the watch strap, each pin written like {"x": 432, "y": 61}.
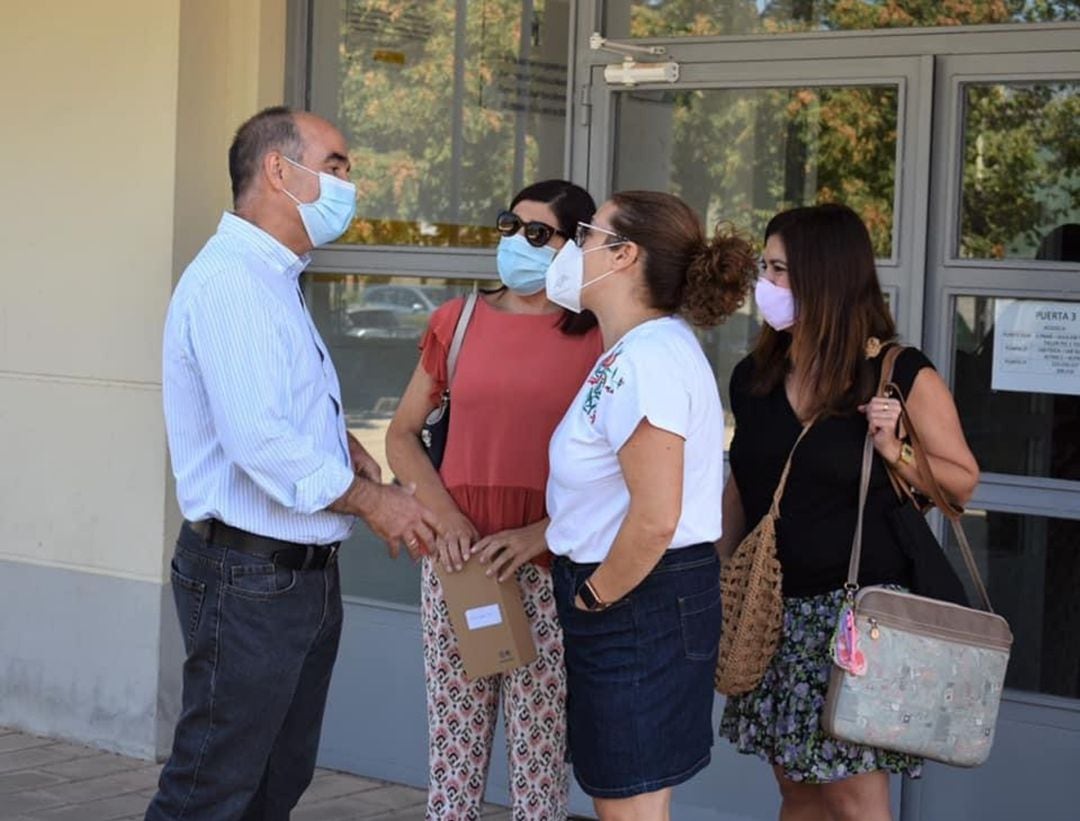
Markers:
{"x": 590, "y": 598}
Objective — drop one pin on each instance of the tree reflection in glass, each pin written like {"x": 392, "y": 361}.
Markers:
{"x": 744, "y": 154}
{"x": 674, "y": 18}
{"x": 1021, "y": 167}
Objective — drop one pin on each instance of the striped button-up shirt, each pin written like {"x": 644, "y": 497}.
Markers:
{"x": 252, "y": 401}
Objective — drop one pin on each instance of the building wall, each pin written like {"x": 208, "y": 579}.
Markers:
{"x": 118, "y": 115}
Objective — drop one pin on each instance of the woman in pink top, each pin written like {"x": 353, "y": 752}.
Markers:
{"x": 521, "y": 363}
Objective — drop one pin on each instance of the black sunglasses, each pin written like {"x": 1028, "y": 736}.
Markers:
{"x": 537, "y": 234}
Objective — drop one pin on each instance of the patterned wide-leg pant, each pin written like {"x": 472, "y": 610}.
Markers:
{"x": 462, "y": 714}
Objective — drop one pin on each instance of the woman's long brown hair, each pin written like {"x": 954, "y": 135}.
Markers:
{"x": 838, "y": 303}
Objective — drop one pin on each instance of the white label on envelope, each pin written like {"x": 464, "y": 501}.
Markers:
{"x": 486, "y": 616}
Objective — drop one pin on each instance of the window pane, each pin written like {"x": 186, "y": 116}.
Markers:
{"x": 1021, "y": 186}
{"x": 672, "y": 18}
{"x": 744, "y": 154}
{"x": 372, "y": 326}
{"x": 449, "y": 109}
{"x": 1031, "y": 566}
{"x": 1030, "y": 433}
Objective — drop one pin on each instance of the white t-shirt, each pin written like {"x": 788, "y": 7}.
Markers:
{"x": 658, "y": 372}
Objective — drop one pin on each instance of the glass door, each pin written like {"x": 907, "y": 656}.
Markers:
{"x": 742, "y": 140}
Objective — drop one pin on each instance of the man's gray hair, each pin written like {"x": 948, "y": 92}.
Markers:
{"x": 272, "y": 129}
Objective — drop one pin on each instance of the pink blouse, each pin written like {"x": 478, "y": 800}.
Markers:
{"x": 516, "y": 375}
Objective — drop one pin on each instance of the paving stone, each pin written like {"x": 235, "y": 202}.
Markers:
{"x": 336, "y": 809}
{"x": 24, "y": 803}
{"x": 32, "y": 758}
{"x": 415, "y": 814}
{"x": 26, "y": 780}
{"x": 93, "y": 766}
{"x": 327, "y": 785}
{"x": 106, "y": 809}
{"x": 73, "y": 751}
{"x": 22, "y": 741}
{"x": 105, "y": 786}
{"x": 382, "y": 802}
{"x": 395, "y": 797}
{"x": 45, "y": 780}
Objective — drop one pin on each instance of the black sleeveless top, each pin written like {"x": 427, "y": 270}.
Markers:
{"x": 820, "y": 503}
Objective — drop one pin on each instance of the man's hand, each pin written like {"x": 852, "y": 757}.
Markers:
{"x": 392, "y": 513}
{"x": 362, "y": 462}
{"x": 508, "y": 550}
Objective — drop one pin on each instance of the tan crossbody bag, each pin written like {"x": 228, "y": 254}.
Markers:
{"x": 932, "y": 671}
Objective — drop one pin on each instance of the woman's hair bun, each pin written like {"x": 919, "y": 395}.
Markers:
{"x": 719, "y": 277}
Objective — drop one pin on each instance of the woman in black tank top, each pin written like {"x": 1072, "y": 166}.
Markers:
{"x": 817, "y": 362}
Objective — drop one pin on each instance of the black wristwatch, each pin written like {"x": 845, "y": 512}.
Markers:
{"x": 590, "y": 598}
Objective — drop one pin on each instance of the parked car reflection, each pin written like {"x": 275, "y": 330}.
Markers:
{"x": 364, "y": 322}
{"x": 393, "y": 311}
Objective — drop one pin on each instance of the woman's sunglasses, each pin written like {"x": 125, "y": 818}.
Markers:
{"x": 585, "y": 228}
{"x": 537, "y": 234}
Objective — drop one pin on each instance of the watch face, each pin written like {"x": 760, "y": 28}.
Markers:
{"x": 587, "y": 597}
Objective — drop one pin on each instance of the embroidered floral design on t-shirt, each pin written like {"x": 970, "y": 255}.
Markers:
{"x": 605, "y": 379}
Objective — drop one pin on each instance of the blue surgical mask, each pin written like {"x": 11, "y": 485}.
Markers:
{"x": 523, "y": 267}
{"x": 326, "y": 218}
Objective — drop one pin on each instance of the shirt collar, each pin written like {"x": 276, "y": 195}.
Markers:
{"x": 276, "y": 255}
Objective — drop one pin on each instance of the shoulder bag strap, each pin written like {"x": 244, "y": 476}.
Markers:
{"x": 459, "y": 335}
{"x": 888, "y": 363}
{"x": 922, "y": 463}
{"x": 774, "y": 509}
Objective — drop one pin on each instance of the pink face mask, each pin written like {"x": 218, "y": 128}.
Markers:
{"x": 777, "y": 305}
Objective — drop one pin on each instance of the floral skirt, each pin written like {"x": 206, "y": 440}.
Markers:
{"x": 780, "y": 719}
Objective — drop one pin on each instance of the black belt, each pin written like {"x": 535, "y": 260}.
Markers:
{"x": 289, "y": 555}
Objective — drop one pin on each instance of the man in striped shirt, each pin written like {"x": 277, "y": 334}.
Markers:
{"x": 268, "y": 479}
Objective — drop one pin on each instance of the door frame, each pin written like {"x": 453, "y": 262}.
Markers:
{"x": 949, "y": 276}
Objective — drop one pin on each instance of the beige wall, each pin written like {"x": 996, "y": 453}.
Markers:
{"x": 90, "y": 144}
{"x": 118, "y": 116}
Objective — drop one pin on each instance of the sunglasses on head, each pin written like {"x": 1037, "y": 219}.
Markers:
{"x": 537, "y": 233}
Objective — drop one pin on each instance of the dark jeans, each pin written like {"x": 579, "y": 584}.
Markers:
{"x": 261, "y": 643}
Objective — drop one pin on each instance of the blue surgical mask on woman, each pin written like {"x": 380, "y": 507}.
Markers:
{"x": 523, "y": 267}
{"x": 326, "y": 218}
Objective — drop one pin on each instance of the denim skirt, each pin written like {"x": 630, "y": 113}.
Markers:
{"x": 640, "y": 675}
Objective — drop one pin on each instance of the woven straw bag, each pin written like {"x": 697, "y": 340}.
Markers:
{"x": 753, "y": 606}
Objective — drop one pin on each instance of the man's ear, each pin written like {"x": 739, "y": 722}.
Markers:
{"x": 273, "y": 170}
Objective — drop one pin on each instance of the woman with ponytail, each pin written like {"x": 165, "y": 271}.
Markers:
{"x": 634, "y": 499}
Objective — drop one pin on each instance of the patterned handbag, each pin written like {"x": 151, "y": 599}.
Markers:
{"x": 752, "y": 601}
{"x": 437, "y": 423}
{"x": 913, "y": 674}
